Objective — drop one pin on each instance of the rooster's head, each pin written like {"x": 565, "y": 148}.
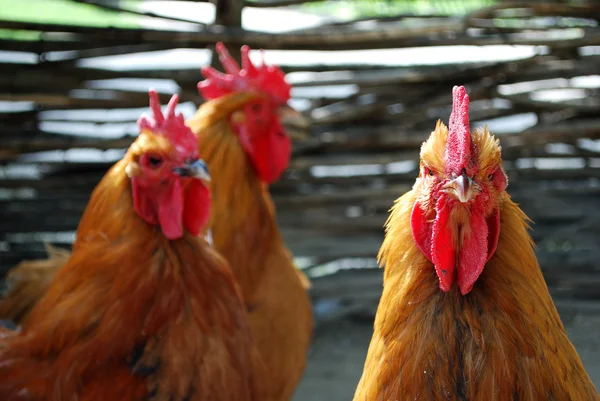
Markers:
{"x": 169, "y": 181}
{"x": 456, "y": 219}
{"x": 258, "y": 123}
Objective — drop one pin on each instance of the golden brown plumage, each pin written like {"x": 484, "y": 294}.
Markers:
{"x": 134, "y": 315}
{"x": 502, "y": 340}
{"x": 245, "y": 232}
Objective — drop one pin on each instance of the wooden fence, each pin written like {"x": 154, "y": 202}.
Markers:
{"x": 366, "y": 122}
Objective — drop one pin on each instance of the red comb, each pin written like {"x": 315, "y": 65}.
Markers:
{"x": 172, "y": 126}
{"x": 267, "y": 79}
{"x": 458, "y": 145}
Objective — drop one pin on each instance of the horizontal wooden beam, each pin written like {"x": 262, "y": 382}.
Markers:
{"x": 443, "y": 34}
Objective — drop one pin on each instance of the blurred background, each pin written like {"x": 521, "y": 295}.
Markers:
{"x": 371, "y": 77}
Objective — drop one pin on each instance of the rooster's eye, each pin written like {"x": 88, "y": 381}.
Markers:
{"x": 428, "y": 171}
{"x": 154, "y": 161}
{"x": 256, "y": 108}
{"x": 490, "y": 177}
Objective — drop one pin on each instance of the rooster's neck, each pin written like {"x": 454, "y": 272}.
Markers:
{"x": 243, "y": 221}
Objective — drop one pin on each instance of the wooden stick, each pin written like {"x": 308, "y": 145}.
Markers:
{"x": 110, "y": 7}
{"x": 275, "y": 3}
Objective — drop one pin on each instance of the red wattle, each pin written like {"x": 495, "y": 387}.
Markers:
{"x": 142, "y": 204}
{"x": 442, "y": 245}
{"x": 196, "y": 210}
{"x": 263, "y": 138}
{"x": 271, "y": 154}
{"x": 421, "y": 230}
{"x": 170, "y": 210}
{"x": 493, "y": 224}
{"x": 473, "y": 252}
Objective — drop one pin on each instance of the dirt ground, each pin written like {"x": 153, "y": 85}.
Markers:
{"x": 337, "y": 356}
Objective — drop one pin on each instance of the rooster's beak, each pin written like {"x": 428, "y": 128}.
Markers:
{"x": 462, "y": 187}
{"x": 294, "y": 122}
{"x": 289, "y": 116}
{"x": 195, "y": 169}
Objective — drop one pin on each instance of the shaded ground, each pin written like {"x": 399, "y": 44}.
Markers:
{"x": 339, "y": 349}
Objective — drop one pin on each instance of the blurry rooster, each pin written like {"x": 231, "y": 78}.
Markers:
{"x": 246, "y": 149}
{"x": 465, "y": 313}
{"x": 143, "y": 308}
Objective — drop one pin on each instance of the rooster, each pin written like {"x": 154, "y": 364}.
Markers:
{"x": 246, "y": 149}
{"x": 144, "y": 308}
{"x": 465, "y": 313}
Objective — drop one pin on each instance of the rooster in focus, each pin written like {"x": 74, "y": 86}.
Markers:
{"x": 246, "y": 149}
{"x": 143, "y": 309}
{"x": 465, "y": 312}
